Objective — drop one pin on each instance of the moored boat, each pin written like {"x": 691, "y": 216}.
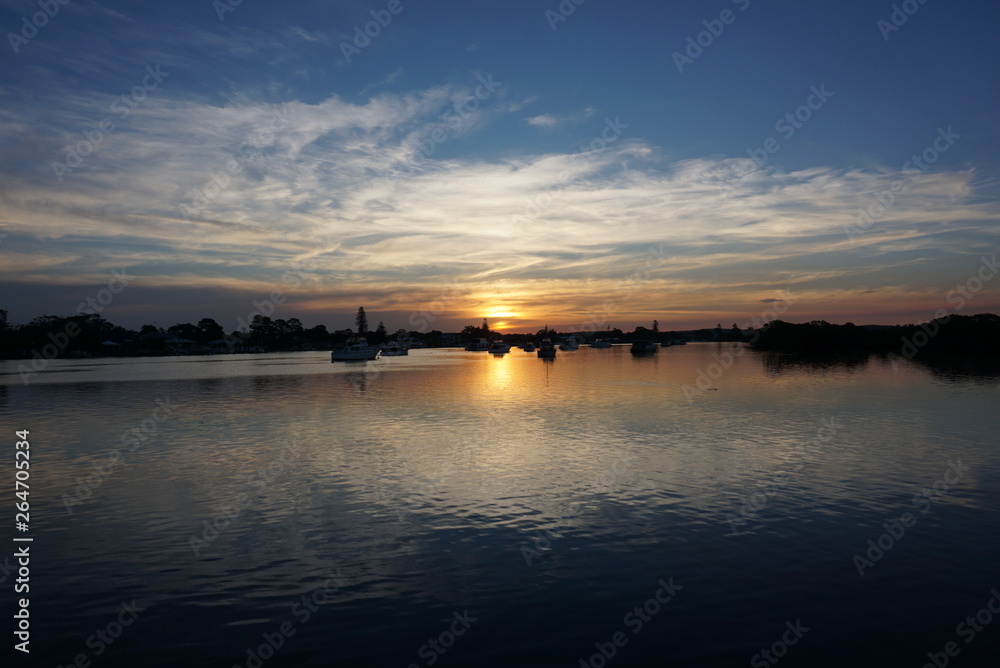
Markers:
{"x": 394, "y": 349}
{"x": 600, "y": 343}
{"x": 354, "y": 349}
{"x": 478, "y": 345}
{"x": 572, "y": 343}
{"x": 528, "y": 347}
{"x": 547, "y": 349}
{"x": 643, "y": 347}
{"x": 498, "y": 347}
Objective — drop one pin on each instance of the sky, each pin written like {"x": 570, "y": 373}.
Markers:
{"x": 582, "y": 164}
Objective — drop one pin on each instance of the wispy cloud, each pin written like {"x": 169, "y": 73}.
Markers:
{"x": 552, "y": 121}
{"x": 343, "y": 184}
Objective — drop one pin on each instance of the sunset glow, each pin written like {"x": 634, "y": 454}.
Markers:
{"x": 562, "y": 194}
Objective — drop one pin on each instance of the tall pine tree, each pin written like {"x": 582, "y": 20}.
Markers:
{"x": 361, "y": 321}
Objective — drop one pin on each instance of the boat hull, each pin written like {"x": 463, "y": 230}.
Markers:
{"x": 353, "y": 353}
{"x": 353, "y": 357}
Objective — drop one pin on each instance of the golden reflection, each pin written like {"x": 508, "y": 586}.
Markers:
{"x": 499, "y": 377}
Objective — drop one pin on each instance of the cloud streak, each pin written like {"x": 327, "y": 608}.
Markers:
{"x": 341, "y": 184}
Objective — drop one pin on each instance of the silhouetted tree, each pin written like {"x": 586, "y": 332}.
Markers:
{"x": 262, "y": 330}
{"x": 361, "y": 321}
{"x": 317, "y": 336}
{"x": 185, "y": 330}
{"x": 381, "y": 335}
{"x": 210, "y": 330}
{"x": 642, "y": 333}
{"x": 473, "y": 332}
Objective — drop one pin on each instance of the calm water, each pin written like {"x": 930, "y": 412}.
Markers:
{"x": 513, "y": 511}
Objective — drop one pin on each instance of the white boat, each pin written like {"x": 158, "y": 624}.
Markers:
{"x": 354, "y": 349}
{"x": 572, "y": 343}
{"x": 394, "y": 350}
{"x": 498, "y": 347}
{"x": 478, "y": 345}
{"x": 600, "y": 343}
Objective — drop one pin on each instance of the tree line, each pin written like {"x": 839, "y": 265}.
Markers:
{"x": 86, "y": 335}
{"x": 968, "y": 334}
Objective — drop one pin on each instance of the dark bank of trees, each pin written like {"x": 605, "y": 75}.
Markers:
{"x": 90, "y": 335}
{"x": 60, "y": 336}
{"x": 87, "y": 335}
{"x": 974, "y": 334}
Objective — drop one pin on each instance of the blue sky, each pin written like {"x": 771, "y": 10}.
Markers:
{"x": 591, "y": 181}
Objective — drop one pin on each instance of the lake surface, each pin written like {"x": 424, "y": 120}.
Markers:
{"x": 452, "y": 508}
